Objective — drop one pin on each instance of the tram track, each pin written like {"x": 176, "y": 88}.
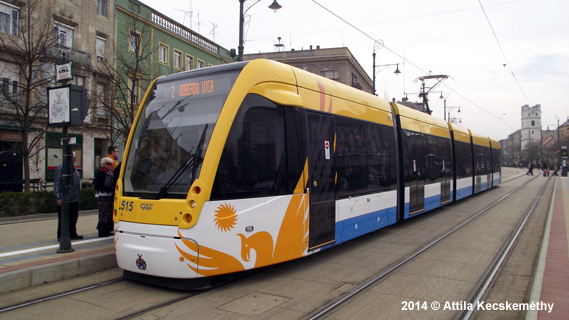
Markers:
{"x": 159, "y": 298}
{"x": 476, "y": 293}
{"x": 59, "y": 295}
{"x": 165, "y": 298}
{"x": 491, "y": 273}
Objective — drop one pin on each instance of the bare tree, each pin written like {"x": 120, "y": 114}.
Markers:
{"x": 25, "y": 53}
{"x": 128, "y": 80}
{"x": 533, "y": 153}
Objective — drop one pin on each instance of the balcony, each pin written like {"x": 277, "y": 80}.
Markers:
{"x": 172, "y": 26}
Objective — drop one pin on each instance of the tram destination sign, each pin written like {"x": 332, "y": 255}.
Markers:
{"x": 196, "y": 87}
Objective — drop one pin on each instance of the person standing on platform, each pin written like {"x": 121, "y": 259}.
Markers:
{"x": 74, "y": 194}
{"x": 104, "y": 185}
{"x": 114, "y": 155}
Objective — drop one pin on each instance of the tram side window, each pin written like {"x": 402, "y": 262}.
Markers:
{"x": 380, "y": 151}
{"x": 488, "y": 157}
{"x": 253, "y": 162}
{"x": 496, "y": 160}
{"x": 463, "y": 159}
{"x": 438, "y": 159}
{"x": 295, "y": 153}
{"x": 482, "y": 160}
{"x": 421, "y": 154}
{"x": 350, "y": 157}
{"x": 364, "y": 157}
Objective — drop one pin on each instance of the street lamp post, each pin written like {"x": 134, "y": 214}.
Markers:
{"x": 444, "y": 98}
{"x": 274, "y": 6}
{"x": 379, "y": 44}
{"x": 449, "y": 108}
{"x": 445, "y": 107}
{"x": 397, "y": 72}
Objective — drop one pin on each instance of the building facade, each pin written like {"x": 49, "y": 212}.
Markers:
{"x": 564, "y": 133}
{"x": 104, "y": 41}
{"x": 41, "y": 34}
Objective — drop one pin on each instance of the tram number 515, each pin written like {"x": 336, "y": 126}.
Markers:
{"x": 126, "y": 205}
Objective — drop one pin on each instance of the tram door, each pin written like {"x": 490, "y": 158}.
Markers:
{"x": 416, "y": 153}
{"x": 446, "y": 170}
{"x": 445, "y": 189}
{"x": 321, "y": 179}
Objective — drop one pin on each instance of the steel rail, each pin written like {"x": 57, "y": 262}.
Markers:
{"x": 59, "y": 295}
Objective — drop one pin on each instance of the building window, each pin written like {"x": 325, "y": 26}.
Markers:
{"x": 9, "y": 87}
{"x": 100, "y": 48}
{"x": 79, "y": 80}
{"x": 189, "y": 63}
{"x": 63, "y": 35}
{"x": 9, "y": 18}
{"x": 201, "y": 64}
{"x": 102, "y": 7}
{"x": 163, "y": 54}
{"x": 330, "y": 74}
{"x": 10, "y": 79}
{"x": 355, "y": 82}
{"x": 134, "y": 41}
{"x": 533, "y": 123}
{"x": 101, "y": 99}
{"x": 177, "y": 59}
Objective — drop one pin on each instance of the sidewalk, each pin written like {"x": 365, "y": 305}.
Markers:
{"x": 28, "y": 248}
{"x": 551, "y": 282}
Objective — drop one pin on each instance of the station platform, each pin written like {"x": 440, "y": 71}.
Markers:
{"x": 551, "y": 281}
{"x": 28, "y": 251}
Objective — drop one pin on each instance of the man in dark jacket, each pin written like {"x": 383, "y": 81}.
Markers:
{"x": 74, "y": 194}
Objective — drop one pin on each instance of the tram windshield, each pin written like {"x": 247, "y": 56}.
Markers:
{"x": 172, "y": 134}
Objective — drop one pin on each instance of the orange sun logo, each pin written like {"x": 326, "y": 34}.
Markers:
{"x": 225, "y": 217}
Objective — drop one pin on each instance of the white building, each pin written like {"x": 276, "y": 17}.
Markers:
{"x": 531, "y": 125}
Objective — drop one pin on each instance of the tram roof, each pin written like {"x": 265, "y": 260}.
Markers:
{"x": 460, "y": 133}
{"x": 495, "y": 144}
{"x": 418, "y": 121}
{"x": 479, "y": 139}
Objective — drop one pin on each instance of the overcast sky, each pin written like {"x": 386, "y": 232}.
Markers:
{"x": 499, "y": 54}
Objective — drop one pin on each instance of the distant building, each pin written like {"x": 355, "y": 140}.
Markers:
{"x": 531, "y": 143}
{"x": 531, "y": 125}
{"x": 564, "y": 132}
{"x": 511, "y": 149}
{"x": 334, "y": 63}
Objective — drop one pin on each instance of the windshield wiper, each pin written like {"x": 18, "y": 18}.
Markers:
{"x": 193, "y": 160}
